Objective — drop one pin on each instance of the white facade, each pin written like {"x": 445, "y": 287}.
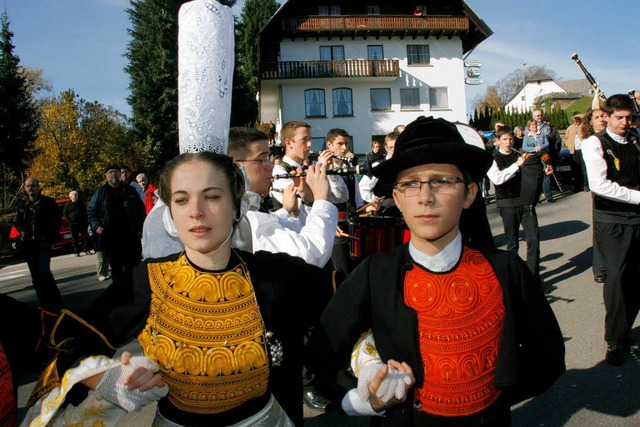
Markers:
{"x": 525, "y": 99}
{"x": 284, "y": 99}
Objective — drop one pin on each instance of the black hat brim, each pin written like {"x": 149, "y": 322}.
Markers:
{"x": 471, "y": 159}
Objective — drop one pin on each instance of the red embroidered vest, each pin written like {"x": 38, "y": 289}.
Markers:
{"x": 460, "y": 319}
{"x": 7, "y": 398}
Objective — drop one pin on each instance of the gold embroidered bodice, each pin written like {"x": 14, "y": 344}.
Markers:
{"x": 206, "y": 333}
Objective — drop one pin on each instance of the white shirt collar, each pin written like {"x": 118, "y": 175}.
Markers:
{"x": 617, "y": 138}
{"x": 291, "y": 162}
{"x": 441, "y": 262}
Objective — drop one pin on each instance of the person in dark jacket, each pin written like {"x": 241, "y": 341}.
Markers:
{"x": 116, "y": 214}
{"x": 38, "y": 220}
{"x": 459, "y": 333}
{"x": 75, "y": 213}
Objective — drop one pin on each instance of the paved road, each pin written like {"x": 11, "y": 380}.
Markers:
{"x": 591, "y": 393}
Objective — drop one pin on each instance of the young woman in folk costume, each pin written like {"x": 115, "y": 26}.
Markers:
{"x": 224, "y": 326}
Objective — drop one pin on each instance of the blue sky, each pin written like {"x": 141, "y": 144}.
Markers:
{"x": 80, "y": 43}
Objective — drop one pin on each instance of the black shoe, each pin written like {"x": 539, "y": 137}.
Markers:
{"x": 314, "y": 400}
{"x": 77, "y": 255}
{"x": 551, "y": 200}
{"x": 599, "y": 278}
{"x": 615, "y": 355}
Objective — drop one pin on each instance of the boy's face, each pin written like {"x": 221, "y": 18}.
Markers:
{"x": 433, "y": 217}
{"x": 505, "y": 142}
{"x": 299, "y": 146}
{"x": 339, "y": 145}
{"x": 619, "y": 121}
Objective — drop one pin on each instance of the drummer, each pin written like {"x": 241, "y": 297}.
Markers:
{"x": 338, "y": 144}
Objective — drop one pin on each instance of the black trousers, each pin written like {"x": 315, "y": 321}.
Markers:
{"x": 78, "y": 232}
{"x": 125, "y": 252}
{"x": 37, "y": 253}
{"x": 620, "y": 248}
{"x": 526, "y": 216}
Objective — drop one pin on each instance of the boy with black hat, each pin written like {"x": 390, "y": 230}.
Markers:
{"x": 472, "y": 329}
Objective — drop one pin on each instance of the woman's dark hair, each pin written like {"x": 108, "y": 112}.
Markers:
{"x": 221, "y": 162}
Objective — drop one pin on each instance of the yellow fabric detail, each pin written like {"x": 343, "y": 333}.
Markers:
{"x": 206, "y": 333}
{"x": 50, "y": 378}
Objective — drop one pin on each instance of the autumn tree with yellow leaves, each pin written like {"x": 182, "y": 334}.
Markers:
{"x": 76, "y": 140}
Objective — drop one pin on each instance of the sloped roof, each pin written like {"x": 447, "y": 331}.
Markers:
{"x": 560, "y": 95}
{"x": 538, "y": 75}
{"x": 579, "y": 86}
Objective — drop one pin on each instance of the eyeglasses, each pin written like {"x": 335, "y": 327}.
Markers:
{"x": 445, "y": 184}
{"x": 262, "y": 161}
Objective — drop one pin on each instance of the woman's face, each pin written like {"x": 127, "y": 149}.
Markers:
{"x": 519, "y": 133}
{"x": 201, "y": 206}
{"x": 533, "y": 127}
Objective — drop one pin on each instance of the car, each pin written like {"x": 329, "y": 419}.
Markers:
{"x": 65, "y": 233}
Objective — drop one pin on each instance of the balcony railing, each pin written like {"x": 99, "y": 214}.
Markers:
{"x": 386, "y": 22}
{"x": 324, "y": 69}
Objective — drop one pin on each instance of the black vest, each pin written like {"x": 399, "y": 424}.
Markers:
{"x": 623, "y": 167}
{"x": 508, "y": 193}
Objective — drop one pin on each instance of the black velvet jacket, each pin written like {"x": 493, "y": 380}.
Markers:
{"x": 291, "y": 295}
{"x": 531, "y": 353}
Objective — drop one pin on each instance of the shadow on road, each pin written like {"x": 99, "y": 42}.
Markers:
{"x": 573, "y": 267}
{"x": 562, "y": 229}
{"x": 606, "y": 389}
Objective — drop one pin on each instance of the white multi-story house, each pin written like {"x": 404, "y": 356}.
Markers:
{"x": 366, "y": 66}
{"x": 561, "y": 93}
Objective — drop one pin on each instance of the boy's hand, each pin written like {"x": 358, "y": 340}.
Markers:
{"x": 382, "y": 398}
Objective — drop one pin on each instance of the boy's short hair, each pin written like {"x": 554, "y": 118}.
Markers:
{"x": 336, "y": 132}
{"x": 289, "y": 129}
{"x": 618, "y": 102}
{"x": 429, "y": 140}
{"x": 391, "y": 136}
{"x": 240, "y": 138}
{"x": 503, "y": 130}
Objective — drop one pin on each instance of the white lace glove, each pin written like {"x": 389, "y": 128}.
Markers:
{"x": 112, "y": 389}
{"x": 393, "y": 384}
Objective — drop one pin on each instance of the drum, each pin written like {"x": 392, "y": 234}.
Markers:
{"x": 375, "y": 234}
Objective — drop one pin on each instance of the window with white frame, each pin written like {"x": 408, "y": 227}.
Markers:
{"x": 328, "y": 10}
{"x": 380, "y": 99}
{"x": 439, "y": 98}
{"x": 373, "y": 10}
{"x": 318, "y": 143}
{"x": 375, "y": 52}
{"x": 314, "y": 105}
{"x": 418, "y": 54}
{"x": 410, "y": 99}
{"x": 331, "y": 53}
{"x": 342, "y": 102}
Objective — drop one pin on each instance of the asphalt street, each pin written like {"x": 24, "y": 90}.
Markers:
{"x": 590, "y": 393}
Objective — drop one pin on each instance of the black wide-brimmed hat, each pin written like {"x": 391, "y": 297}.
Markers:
{"x": 429, "y": 140}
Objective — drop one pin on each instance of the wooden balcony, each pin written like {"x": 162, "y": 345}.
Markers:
{"x": 363, "y": 25}
{"x": 329, "y": 69}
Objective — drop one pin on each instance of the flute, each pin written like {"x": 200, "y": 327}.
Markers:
{"x": 358, "y": 169}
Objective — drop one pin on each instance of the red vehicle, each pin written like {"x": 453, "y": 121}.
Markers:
{"x": 65, "y": 233}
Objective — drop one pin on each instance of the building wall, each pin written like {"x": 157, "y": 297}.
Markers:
{"x": 445, "y": 70}
{"x": 525, "y": 99}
